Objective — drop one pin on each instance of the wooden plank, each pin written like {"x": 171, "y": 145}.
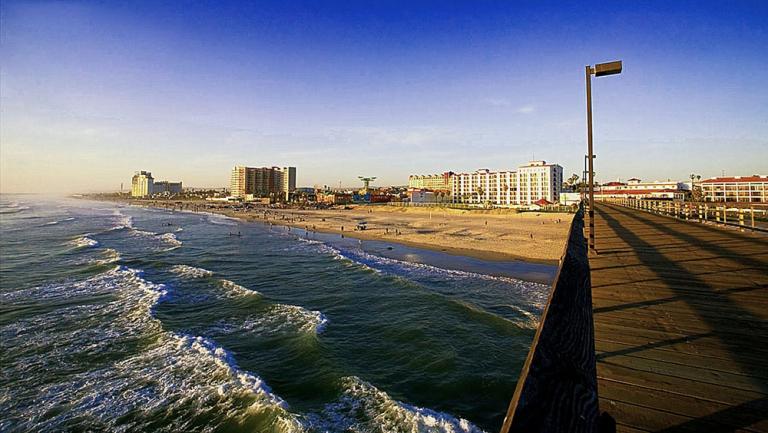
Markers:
{"x": 606, "y": 349}
{"x": 750, "y": 414}
{"x": 681, "y": 324}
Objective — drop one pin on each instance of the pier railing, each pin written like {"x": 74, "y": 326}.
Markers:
{"x": 745, "y": 218}
{"x": 557, "y": 389}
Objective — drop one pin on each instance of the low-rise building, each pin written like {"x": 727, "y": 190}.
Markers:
{"x": 570, "y": 198}
{"x": 166, "y": 187}
{"x": 334, "y": 198}
{"x": 636, "y": 188}
{"x": 750, "y": 189}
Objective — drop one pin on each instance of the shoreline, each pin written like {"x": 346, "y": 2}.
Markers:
{"x": 384, "y": 222}
{"x": 493, "y": 256}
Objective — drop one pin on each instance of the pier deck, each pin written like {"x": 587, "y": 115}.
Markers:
{"x": 681, "y": 324}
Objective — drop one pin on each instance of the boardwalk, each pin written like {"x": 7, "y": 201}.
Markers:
{"x": 681, "y": 324}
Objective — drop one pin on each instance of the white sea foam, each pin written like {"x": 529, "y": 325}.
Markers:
{"x": 277, "y": 319}
{"x": 121, "y": 221}
{"x": 363, "y": 407}
{"x": 176, "y": 371}
{"x": 186, "y": 271}
{"x": 170, "y": 239}
{"x": 536, "y": 291}
{"x": 305, "y": 320}
{"x": 233, "y": 289}
{"x": 222, "y": 220}
{"x": 83, "y": 242}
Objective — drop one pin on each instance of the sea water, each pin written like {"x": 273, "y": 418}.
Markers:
{"x": 121, "y": 318}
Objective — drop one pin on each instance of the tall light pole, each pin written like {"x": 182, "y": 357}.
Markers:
{"x": 598, "y": 70}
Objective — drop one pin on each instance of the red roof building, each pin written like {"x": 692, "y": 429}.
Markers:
{"x": 750, "y": 189}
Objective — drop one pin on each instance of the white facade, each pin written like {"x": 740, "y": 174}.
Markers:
{"x": 485, "y": 187}
{"x": 751, "y": 189}
{"x": 532, "y": 182}
{"x": 637, "y": 188}
{"x": 538, "y": 180}
{"x": 289, "y": 180}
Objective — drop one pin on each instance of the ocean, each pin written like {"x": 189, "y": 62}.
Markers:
{"x": 120, "y": 318}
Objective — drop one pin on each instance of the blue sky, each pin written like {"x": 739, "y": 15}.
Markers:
{"x": 92, "y": 91}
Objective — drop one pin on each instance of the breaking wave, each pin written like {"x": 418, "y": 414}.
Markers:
{"x": 364, "y": 408}
{"x": 83, "y": 242}
{"x": 233, "y": 289}
{"x": 183, "y": 379}
{"x": 186, "y": 271}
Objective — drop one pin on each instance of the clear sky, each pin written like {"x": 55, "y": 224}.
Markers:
{"x": 93, "y": 91}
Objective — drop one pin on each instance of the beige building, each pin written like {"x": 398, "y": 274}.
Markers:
{"x": 262, "y": 181}
{"x": 142, "y": 184}
{"x": 432, "y": 182}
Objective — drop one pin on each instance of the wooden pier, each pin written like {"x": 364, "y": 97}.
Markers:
{"x": 681, "y": 323}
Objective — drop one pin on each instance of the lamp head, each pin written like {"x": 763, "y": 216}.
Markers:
{"x": 609, "y": 68}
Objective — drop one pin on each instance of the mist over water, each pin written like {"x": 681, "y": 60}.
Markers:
{"x": 129, "y": 319}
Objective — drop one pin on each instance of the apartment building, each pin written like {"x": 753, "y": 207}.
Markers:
{"x": 751, "y": 189}
{"x": 142, "y": 184}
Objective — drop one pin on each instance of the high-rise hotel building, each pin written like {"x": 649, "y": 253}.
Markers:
{"x": 532, "y": 182}
{"x": 538, "y": 180}
{"x": 262, "y": 181}
{"x": 142, "y": 184}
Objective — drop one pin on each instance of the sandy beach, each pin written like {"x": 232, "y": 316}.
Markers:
{"x": 498, "y": 234}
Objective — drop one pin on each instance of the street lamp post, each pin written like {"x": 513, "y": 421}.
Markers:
{"x": 598, "y": 70}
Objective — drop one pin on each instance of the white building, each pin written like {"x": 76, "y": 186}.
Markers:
{"x": 636, "y": 188}
{"x": 485, "y": 187}
{"x": 142, "y": 184}
{"x": 532, "y": 182}
{"x": 538, "y": 180}
{"x": 289, "y": 180}
{"x": 751, "y": 189}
